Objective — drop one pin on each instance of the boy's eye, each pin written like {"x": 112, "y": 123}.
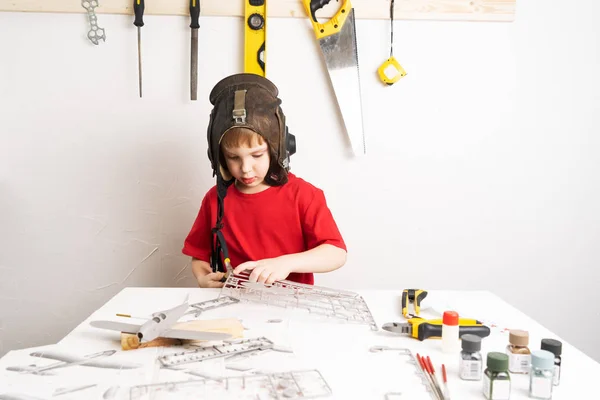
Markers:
{"x": 258, "y": 155}
{"x": 232, "y": 157}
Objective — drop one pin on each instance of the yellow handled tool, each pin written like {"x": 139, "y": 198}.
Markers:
{"x": 334, "y": 25}
{"x": 337, "y": 40}
{"x": 391, "y": 71}
{"x": 422, "y": 329}
{"x": 412, "y": 297}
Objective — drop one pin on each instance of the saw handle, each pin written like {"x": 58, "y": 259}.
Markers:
{"x": 334, "y": 25}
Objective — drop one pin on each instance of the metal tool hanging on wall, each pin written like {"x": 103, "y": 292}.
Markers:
{"x": 194, "y": 25}
{"x": 255, "y": 37}
{"x": 138, "y": 10}
{"x": 391, "y": 71}
{"x": 337, "y": 39}
{"x": 95, "y": 33}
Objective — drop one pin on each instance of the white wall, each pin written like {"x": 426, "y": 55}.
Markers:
{"x": 481, "y": 173}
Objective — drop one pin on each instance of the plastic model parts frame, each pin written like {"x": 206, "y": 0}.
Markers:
{"x": 334, "y": 304}
{"x": 282, "y": 385}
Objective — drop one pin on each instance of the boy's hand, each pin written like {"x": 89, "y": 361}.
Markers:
{"x": 211, "y": 280}
{"x": 266, "y": 271}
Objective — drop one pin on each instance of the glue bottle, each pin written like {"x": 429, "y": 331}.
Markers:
{"x": 450, "y": 338}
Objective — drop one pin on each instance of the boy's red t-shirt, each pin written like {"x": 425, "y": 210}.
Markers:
{"x": 279, "y": 220}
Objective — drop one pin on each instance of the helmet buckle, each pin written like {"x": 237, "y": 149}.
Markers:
{"x": 239, "y": 107}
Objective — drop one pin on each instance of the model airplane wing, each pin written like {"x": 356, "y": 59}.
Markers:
{"x": 70, "y": 360}
{"x": 116, "y": 326}
{"x": 99, "y": 363}
{"x": 167, "y": 333}
{"x": 29, "y": 369}
{"x": 18, "y": 396}
{"x": 194, "y": 335}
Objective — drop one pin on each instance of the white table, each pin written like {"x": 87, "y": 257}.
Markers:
{"x": 340, "y": 351}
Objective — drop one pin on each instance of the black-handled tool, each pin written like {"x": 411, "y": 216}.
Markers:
{"x": 138, "y": 11}
{"x": 422, "y": 329}
{"x": 194, "y": 25}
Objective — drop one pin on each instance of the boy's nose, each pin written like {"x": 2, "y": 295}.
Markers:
{"x": 246, "y": 167}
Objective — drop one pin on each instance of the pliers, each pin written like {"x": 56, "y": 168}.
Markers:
{"x": 422, "y": 329}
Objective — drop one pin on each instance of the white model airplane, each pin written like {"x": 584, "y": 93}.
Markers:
{"x": 160, "y": 326}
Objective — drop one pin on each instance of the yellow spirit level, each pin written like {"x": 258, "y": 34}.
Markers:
{"x": 255, "y": 37}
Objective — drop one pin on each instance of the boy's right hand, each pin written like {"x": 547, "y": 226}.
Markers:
{"x": 211, "y": 280}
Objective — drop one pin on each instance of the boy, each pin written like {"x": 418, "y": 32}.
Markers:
{"x": 258, "y": 217}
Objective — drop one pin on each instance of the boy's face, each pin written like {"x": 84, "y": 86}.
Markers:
{"x": 249, "y": 166}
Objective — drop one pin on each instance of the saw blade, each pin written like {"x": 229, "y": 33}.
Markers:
{"x": 341, "y": 57}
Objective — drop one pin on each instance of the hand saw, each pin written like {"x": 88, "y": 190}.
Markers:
{"x": 337, "y": 38}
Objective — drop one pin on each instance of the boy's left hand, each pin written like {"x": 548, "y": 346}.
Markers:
{"x": 266, "y": 271}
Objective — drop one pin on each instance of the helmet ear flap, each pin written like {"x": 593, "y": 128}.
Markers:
{"x": 290, "y": 147}
{"x": 290, "y": 142}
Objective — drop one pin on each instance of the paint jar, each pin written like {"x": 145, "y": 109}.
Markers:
{"x": 519, "y": 355}
{"x": 555, "y": 347}
{"x": 496, "y": 378}
{"x": 541, "y": 375}
{"x": 450, "y": 339}
{"x": 471, "y": 361}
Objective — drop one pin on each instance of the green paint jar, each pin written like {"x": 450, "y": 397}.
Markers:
{"x": 496, "y": 378}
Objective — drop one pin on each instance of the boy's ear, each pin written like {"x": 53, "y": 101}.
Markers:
{"x": 225, "y": 174}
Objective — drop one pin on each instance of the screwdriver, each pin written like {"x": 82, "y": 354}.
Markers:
{"x": 194, "y": 14}
{"x": 138, "y": 10}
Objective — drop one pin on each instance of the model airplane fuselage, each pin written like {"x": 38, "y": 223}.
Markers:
{"x": 161, "y": 321}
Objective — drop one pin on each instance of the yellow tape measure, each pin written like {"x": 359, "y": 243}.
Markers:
{"x": 391, "y": 71}
{"x": 255, "y": 37}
